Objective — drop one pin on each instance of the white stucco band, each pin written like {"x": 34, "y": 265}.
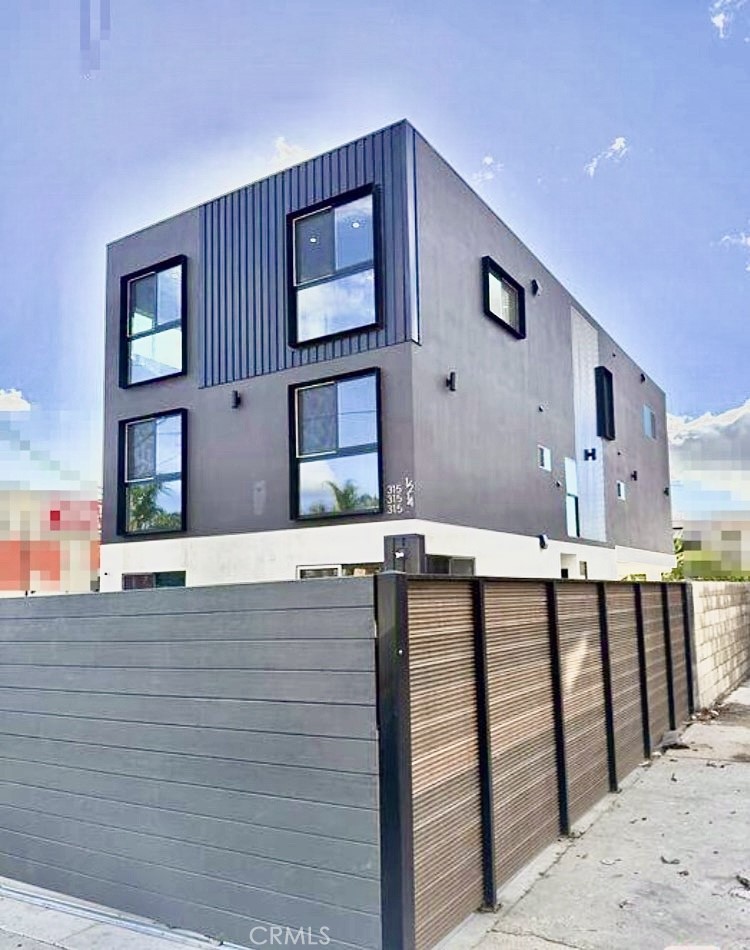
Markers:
{"x": 276, "y": 555}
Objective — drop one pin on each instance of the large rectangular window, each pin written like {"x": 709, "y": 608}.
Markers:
{"x": 151, "y": 491}
{"x": 572, "y": 511}
{"x": 605, "y": 403}
{"x": 503, "y": 298}
{"x": 333, "y": 269}
{"x": 336, "y": 438}
{"x": 153, "y": 323}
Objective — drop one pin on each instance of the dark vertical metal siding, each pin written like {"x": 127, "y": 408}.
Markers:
{"x": 244, "y": 325}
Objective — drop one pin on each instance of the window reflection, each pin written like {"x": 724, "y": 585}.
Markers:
{"x": 153, "y": 474}
{"x": 338, "y": 452}
{"x": 154, "y": 326}
{"x": 333, "y": 270}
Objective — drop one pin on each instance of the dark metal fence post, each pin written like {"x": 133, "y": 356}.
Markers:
{"x": 687, "y": 620}
{"x": 609, "y": 717}
{"x": 557, "y": 699}
{"x": 396, "y": 815}
{"x": 485, "y": 747}
{"x": 668, "y": 654}
{"x": 641, "y": 638}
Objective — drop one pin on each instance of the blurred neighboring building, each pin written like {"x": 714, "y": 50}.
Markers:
{"x": 716, "y": 548}
{"x": 49, "y": 542}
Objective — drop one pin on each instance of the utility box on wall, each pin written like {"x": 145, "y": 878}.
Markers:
{"x": 404, "y": 552}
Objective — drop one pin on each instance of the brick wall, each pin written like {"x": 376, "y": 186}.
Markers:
{"x": 722, "y": 637}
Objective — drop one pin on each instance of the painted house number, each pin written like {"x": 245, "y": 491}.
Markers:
{"x": 399, "y": 496}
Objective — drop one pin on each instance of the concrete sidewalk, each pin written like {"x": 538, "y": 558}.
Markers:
{"x": 35, "y": 919}
{"x": 660, "y": 866}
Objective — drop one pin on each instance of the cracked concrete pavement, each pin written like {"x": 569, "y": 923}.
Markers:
{"x": 658, "y": 867}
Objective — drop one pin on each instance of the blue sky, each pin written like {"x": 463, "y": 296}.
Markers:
{"x": 612, "y": 138}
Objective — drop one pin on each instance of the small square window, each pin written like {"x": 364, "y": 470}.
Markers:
{"x": 503, "y": 298}
{"x": 544, "y": 458}
{"x": 153, "y": 323}
{"x": 333, "y": 269}
{"x": 621, "y": 490}
{"x": 649, "y": 422}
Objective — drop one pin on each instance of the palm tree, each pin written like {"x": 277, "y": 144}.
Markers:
{"x": 348, "y": 497}
{"x": 144, "y": 514}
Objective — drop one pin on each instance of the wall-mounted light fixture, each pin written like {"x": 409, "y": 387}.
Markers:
{"x": 543, "y": 542}
{"x": 540, "y": 408}
{"x": 634, "y": 475}
{"x": 450, "y": 381}
{"x": 536, "y": 287}
{"x": 236, "y": 399}
{"x": 666, "y": 490}
{"x": 643, "y": 377}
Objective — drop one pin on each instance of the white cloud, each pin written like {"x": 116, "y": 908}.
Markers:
{"x": 615, "y": 153}
{"x": 710, "y": 462}
{"x": 12, "y": 400}
{"x": 488, "y": 169}
{"x": 722, "y": 13}
{"x": 287, "y": 154}
{"x": 741, "y": 240}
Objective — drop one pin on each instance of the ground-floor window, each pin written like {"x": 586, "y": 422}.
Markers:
{"x": 150, "y": 581}
{"x": 313, "y": 571}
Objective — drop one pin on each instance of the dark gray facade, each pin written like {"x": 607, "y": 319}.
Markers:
{"x": 470, "y": 453}
{"x": 205, "y": 757}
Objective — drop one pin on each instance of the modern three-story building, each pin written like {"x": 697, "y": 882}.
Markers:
{"x": 353, "y": 363}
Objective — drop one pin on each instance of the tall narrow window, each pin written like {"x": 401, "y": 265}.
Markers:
{"x": 572, "y": 513}
{"x": 153, "y": 323}
{"x": 337, "y": 447}
{"x": 649, "y": 422}
{"x": 605, "y": 403}
{"x": 334, "y": 270}
{"x": 503, "y": 298}
{"x": 152, "y": 499}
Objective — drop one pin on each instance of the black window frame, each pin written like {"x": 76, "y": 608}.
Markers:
{"x": 333, "y": 202}
{"x": 179, "y": 260}
{"x": 122, "y": 469}
{"x": 294, "y": 459}
{"x": 491, "y": 267}
{"x": 605, "y": 403}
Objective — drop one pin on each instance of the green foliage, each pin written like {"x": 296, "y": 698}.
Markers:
{"x": 144, "y": 514}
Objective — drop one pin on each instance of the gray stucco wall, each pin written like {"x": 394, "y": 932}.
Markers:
{"x": 204, "y": 757}
{"x": 475, "y": 449}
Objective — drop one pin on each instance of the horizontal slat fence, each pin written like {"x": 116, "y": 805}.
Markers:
{"x": 206, "y": 757}
{"x": 527, "y": 701}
